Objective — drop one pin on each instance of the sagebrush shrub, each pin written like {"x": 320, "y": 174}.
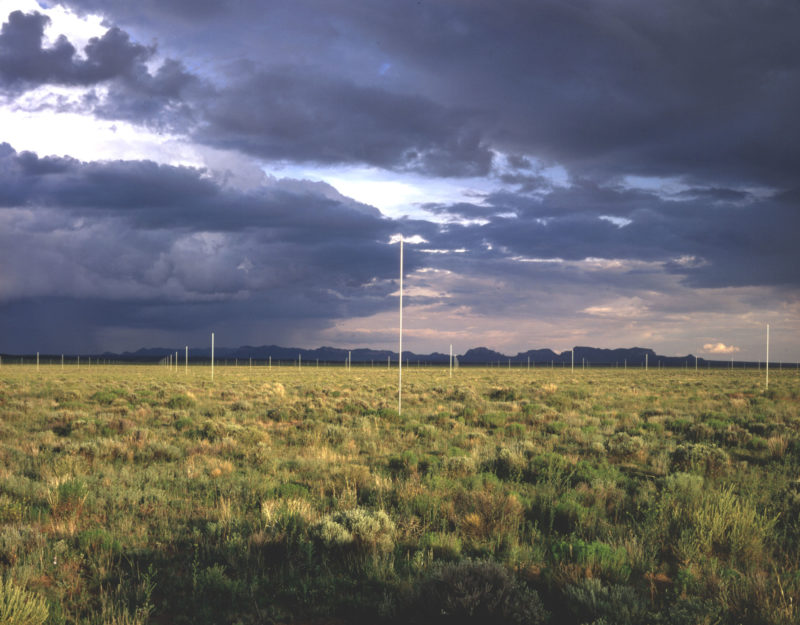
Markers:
{"x": 706, "y": 459}
{"x": 21, "y": 607}
{"x": 477, "y": 592}
{"x": 364, "y": 530}
{"x": 594, "y": 602}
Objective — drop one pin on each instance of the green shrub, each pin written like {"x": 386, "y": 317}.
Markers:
{"x": 683, "y": 610}
{"x": 69, "y": 495}
{"x": 11, "y": 510}
{"x": 515, "y": 430}
{"x": 363, "y": 530}
{"x": 442, "y": 546}
{"x": 603, "y": 559}
{"x": 704, "y": 523}
{"x": 180, "y": 402}
{"x": 547, "y": 467}
{"x": 403, "y": 464}
{"x": 95, "y": 540}
{"x": 476, "y": 592}
{"x": 508, "y": 464}
{"x": 679, "y": 425}
{"x": 292, "y": 490}
{"x": 21, "y": 607}
{"x": 107, "y": 396}
{"x": 568, "y": 515}
{"x": 623, "y": 445}
{"x": 492, "y": 420}
{"x": 708, "y": 460}
{"x": 504, "y": 393}
{"x": 591, "y": 601}
{"x": 215, "y": 592}
{"x": 699, "y": 432}
{"x": 459, "y": 466}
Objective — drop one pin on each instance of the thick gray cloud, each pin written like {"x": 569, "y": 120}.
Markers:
{"x": 287, "y": 112}
{"x": 25, "y": 63}
{"x": 162, "y": 238}
{"x": 153, "y": 196}
{"x": 135, "y": 93}
{"x": 705, "y": 91}
{"x": 303, "y": 116}
{"x": 711, "y": 237}
{"x": 673, "y": 125}
{"x": 150, "y": 237}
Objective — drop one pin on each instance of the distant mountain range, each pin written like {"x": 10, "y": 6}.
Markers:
{"x": 634, "y": 356}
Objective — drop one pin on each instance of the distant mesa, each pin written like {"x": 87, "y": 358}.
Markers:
{"x": 633, "y": 356}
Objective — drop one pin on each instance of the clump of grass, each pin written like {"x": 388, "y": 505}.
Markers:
{"x": 366, "y": 531}
{"x": 19, "y": 606}
{"x": 627, "y": 447}
{"x": 777, "y": 445}
{"x": 180, "y": 402}
{"x": 699, "y": 523}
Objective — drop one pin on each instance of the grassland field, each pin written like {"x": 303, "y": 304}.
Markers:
{"x": 139, "y": 494}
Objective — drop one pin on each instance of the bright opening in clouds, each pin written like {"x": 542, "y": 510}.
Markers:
{"x": 608, "y": 175}
{"x": 719, "y": 348}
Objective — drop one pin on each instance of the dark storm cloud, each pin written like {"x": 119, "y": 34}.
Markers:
{"x": 113, "y": 59}
{"x": 675, "y": 88}
{"x": 714, "y": 239}
{"x": 699, "y": 97}
{"x": 154, "y": 196}
{"x": 147, "y": 235}
{"x": 25, "y": 63}
{"x": 95, "y": 324}
{"x": 292, "y": 113}
{"x": 304, "y": 116}
{"x": 604, "y": 88}
{"x": 707, "y": 91}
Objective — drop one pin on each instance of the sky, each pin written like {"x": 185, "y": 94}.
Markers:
{"x": 608, "y": 173}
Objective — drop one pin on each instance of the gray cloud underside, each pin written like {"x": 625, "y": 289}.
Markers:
{"x": 285, "y": 114}
{"x": 138, "y": 230}
{"x": 113, "y": 60}
{"x": 704, "y": 91}
{"x": 711, "y": 244}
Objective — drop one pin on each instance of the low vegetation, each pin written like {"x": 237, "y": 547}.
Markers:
{"x": 134, "y": 495}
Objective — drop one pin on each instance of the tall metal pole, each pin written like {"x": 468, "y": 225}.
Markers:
{"x": 400, "y": 354}
{"x": 767, "y": 356}
{"x": 451, "y": 360}
{"x": 212, "y": 355}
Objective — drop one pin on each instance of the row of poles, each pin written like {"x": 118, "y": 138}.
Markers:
{"x": 400, "y": 350}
